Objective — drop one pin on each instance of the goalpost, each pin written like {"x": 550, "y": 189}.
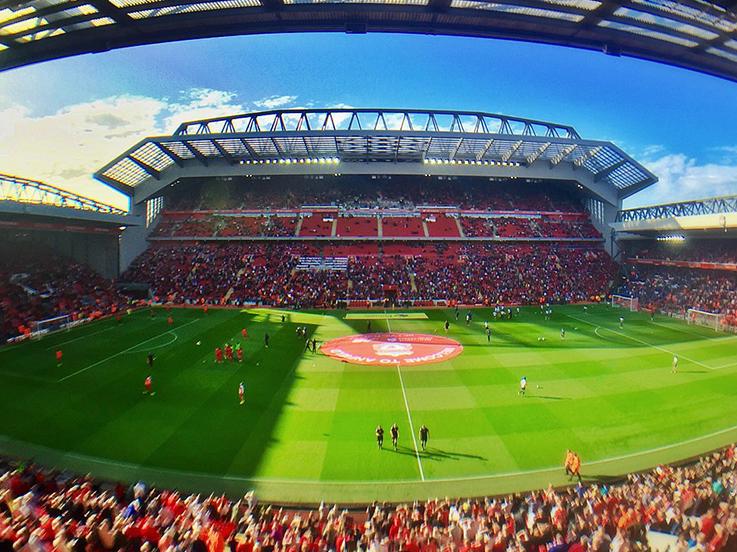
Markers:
{"x": 42, "y": 327}
{"x": 631, "y": 303}
{"x": 703, "y": 318}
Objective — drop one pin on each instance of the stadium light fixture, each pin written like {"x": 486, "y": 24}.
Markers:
{"x": 676, "y": 238}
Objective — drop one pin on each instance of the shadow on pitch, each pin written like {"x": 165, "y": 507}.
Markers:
{"x": 549, "y": 397}
{"x": 433, "y": 454}
{"x": 438, "y": 454}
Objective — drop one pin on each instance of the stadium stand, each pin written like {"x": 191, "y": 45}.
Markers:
{"x": 441, "y": 226}
{"x": 318, "y": 225}
{"x": 402, "y": 227}
{"x": 695, "y": 250}
{"x": 673, "y": 277}
{"x": 37, "y": 284}
{"x": 392, "y": 260}
{"x": 366, "y": 226}
{"x": 674, "y": 290}
{"x": 679, "y": 508}
{"x": 396, "y": 194}
{"x": 473, "y": 273}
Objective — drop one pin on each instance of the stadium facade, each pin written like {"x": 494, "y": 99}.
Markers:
{"x": 75, "y": 226}
{"x": 345, "y": 143}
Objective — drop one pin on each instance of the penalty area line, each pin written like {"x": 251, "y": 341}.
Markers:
{"x": 78, "y": 338}
{"x": 597, "y": 327}
{"x": 122, "y": 352}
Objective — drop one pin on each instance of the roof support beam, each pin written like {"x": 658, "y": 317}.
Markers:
{"x": 536, "y": 155}
{"x": 108, "y": 9}
{"x": 194, "y": 151}
{"x": 222, "y": 151}
{"x": 146, "y": 167}
{"x": 456, "y": 148}
{"x": 581, "y": 159}
{"x": 487, "y": 146}
{"x": 507, "y": 155}
{"x": 569, "y": 149}
{"x": 602, "y": 174}
{"x": 171, "y": 155}
{"x": 249, "y": 148}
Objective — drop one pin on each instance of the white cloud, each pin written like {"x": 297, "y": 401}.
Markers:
{"x": 201, "y": 103}
{"x": 65, "y": 148}
{"x": 682, "y": 178}
{"x": 273, "y": 102}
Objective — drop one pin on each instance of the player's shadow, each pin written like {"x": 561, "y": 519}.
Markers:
{"x": 693, "y": 371}
{"x": 439, "y": 455}
{"x": 550, "y": 397}
{"x": 401, "y": 450}
{"x": 594, "y": 478}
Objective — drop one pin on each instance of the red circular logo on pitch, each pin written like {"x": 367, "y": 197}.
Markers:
{"x": 391, "y": 349}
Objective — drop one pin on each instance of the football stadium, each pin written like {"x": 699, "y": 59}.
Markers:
{"x": 369, "y": 328}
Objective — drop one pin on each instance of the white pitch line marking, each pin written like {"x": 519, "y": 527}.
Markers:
{"x": 155, "y": 347}
{"x": 640, "y": 341}
{"x": 78, "y": 338}
{"x": 406, "y": 406}
{"x": 327, "y": 482}
{"x": 411, "y": 426}
{"x": 121, "y": 352}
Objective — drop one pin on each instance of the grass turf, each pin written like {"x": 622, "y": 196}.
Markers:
{"x": 306, "y": 431}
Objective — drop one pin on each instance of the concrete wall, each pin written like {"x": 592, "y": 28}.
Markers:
{"x": 603, "y": 215}
{"x": 133, "y": 241}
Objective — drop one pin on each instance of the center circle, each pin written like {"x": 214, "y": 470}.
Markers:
{"x": 394, "y": 349}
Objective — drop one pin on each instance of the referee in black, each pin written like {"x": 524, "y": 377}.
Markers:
{"x": 424, "y": 434}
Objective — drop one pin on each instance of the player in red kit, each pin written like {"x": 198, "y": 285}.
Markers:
{"x": 59, "y": 355}
{"x": 218, "y": 355}
{"x": 228, "y": 352}
{"x": 244, "y": 333}
{"x": 147, "y": 384}
{"x": 170, "y": 321}
{"x": 205, "y": 309}
{"x": 239, "y": 354}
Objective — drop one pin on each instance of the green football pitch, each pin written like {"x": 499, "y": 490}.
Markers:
{"x": 306, "y": 431}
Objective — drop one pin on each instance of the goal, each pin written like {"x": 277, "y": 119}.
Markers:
{"x": 631, "y": 303}
{"x": 42, "y": 327}
{"x": 703, "y": 318}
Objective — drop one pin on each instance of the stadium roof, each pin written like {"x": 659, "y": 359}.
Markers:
{"x": 339, "y": 140}
{"x": 30, "y": 197}
{"x": 717, "y": 215}
{"x": 695, "y": 34}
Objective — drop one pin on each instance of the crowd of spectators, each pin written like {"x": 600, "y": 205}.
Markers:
{"x": 696, "y": 250}
{"x": 674, "y": 290}
{"x": 238, "y": 273}
{"x": 224, "y": 226}
{"x": 38, "y": 284}
{"x": 692, "y": 507}
{"x": 384, "y": 193}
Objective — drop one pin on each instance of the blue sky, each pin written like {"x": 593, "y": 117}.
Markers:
{"x": 66, "y": 118}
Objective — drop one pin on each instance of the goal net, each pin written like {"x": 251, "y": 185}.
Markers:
{"x": 42, "y": 327}
{"x": 631, "y": 303}
{"x": 703, "y": 318}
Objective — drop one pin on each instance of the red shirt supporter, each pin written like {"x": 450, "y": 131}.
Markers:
{"x": 464, "y": 273}
{"x": 36, "y": 284}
